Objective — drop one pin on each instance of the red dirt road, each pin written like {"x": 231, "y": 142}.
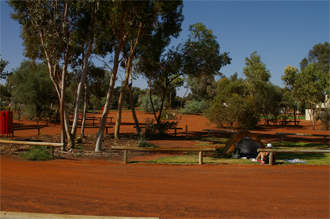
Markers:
{"x": 99, "y": 187}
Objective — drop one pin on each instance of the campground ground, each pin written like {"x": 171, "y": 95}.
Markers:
{"x": 92, "y": 185}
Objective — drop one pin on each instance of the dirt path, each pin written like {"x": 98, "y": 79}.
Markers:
{"x": 96, "y": 187}
{"x": 99, "y": 187}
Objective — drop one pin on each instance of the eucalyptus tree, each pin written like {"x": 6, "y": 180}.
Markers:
{"x": 256, "y": 74}
{"x": 289, "y": 79}
{"x": 49, "y": 31}
{"x": 197, "y": 57}
{"x": 310, "y": 87}
{"x": 45, "y": 33}
{"x": 3, "y": 64}
{"x": 320, "y": 54}
{"x": 161, "y": 72}
{"x": 232, "y": 106}
{"x": 203, "y": 61}
{"x": 31, "y": 85}
{"x": 123, "y": 24}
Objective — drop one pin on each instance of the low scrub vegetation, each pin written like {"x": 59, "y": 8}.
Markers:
{"x": 37, "y": 154}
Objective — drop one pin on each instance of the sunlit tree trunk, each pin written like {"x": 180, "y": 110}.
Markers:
{"x": 120, "y": 107}
{"x": 98, "y": 146}
{"x": 84, "y": 113}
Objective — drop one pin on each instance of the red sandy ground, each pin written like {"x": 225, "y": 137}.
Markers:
{"x": 99, "y": 187}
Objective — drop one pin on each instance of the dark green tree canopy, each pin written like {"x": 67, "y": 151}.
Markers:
{"x": 256, "y": 73}
{"x": 320, "y": 54}
{"x": 3, "y": 64}
{"x": 32, "y": 85}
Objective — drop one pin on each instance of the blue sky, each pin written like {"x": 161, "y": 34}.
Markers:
{"x": 282, "y": 32}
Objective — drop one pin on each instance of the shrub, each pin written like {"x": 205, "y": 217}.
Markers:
{"x": 324, "y": 116}
{"x": 37, "y": 153}
{"x": 167, "y": 115}
{"x": 195, "y": 107}
{"x": 145, "y": 105}
{"x": 142, "y": 142}
{"x": 152, "y": 129}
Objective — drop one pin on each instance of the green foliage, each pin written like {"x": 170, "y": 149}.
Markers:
{"x": 37, "y": 154}
{"x": 145, "y": 104}
{"x": 202, "y": 61}
{"x": 195, "y": 107}
{"x": 142, "y": 142}
{"x": 153, "y": 129}
{"x": 32, "y": 86}
{"x": 310, "y": 86}
{"x": 3, "y": 64}
{"x": 268, "y": 102}
{"x": 324, "y": 116}
{"x": 166, "y": 114}
{"x": 79, "y": 147}
{"x": 320, "y": 55}
{"x": 232, "y": 107}
{"x": 256, "y": 74}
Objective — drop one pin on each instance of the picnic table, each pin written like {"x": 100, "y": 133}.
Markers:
{"x": 287, "y": 122}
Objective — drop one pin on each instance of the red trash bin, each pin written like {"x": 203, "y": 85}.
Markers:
{"x": 102, "y": 109}
{"x": 6, "y": 122}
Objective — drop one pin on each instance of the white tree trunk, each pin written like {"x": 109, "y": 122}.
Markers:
{"x": 120, "y": 106}
{"x": 84, "y": 113}
{"x": 98, "y": 146}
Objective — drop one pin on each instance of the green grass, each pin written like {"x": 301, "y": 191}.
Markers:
{"x": 79, "y": 147}
{"x": 36, "y": 154}
{"x": 218, "y": 158}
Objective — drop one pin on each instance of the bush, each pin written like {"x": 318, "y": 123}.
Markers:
{"x": 152, "y": 129}
{"x": 37, "y": 153}
{"x": 234, "y": 111}
{"x": 194, "y": 107}
{"x": 166, "y": 115}
{"x": 324, "y": 116}
{"x": 142, "y": 142}
{"x": 145, "y": 105}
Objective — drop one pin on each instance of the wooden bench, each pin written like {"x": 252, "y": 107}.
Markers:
{"x": 48, "y": 144}
{"x": 286, "y": 122}
{"x": 199, "y": 150}
{"x": 143, "y": 127}
{"x": 27, "y": 128}
{"x": 92, "y": 118}
{"x": 109, "y": 117}
{"x": 280, "y": 133}
{"x": 217, "y": 130}
{"x": 90, "y": 127}
{"x": 175, "y": 128}
{"x": 271, "y": 154}
{"x": 37, "y": 119}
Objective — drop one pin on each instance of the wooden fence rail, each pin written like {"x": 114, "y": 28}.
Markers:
{"x": 300, "y": 134}
{"x": 199, "y": 150}
{"x": 48, "y": 144}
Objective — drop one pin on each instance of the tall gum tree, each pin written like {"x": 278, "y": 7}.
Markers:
{"x": 48, "y": 30}
{"x": 198, "y": 56}
{"x": 310, "y": 87}
{"x": 47, "y": 34}
{"x": 122, "y": 28}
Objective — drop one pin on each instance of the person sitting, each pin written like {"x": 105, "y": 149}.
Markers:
{"x": 265, "y": 155}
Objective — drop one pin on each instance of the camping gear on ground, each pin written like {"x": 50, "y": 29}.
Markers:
{"x": 297, "y": 160}
{"x": 247, "y": 143}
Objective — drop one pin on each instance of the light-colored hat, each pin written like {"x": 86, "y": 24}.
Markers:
{"x": 269, "y": 145}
